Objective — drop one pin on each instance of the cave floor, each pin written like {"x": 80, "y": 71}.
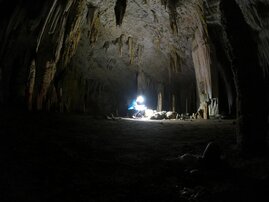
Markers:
{"x": 65, "y": 157}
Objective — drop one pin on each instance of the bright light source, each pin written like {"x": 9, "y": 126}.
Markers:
{"x": 140, "y": 99}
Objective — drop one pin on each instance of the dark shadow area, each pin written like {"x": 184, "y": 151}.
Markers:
{"x": 65, "y": 157}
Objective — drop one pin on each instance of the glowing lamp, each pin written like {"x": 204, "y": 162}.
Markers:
{"x": 140, "y": 99}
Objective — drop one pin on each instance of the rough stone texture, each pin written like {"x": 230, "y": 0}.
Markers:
{"x": 144, "y": 53}
{"x": 150, "y": 51}
{"x": 33, "y": 36}
{"x": 94, "y": 56}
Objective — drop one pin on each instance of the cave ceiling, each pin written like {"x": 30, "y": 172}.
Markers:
{"x": 152, "y": 35}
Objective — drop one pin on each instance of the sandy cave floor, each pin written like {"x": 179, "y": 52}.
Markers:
{"x": 64, "y": 157}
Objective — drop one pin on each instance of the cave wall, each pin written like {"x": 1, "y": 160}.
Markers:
{"x": 37, "y": 41}
{"x": 239, "y": 30}
{"x": 250, "y": 70}
{"x": 220, "y": 64}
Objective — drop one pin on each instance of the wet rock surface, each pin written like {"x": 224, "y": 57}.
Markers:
{"x": 64, "y": 157}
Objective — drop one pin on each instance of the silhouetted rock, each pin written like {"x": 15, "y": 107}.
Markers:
{"x": 211, "y": 155}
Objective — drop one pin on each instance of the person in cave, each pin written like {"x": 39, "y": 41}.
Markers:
{"x": 139, "y": 114}
{"x": 138, "y": 107}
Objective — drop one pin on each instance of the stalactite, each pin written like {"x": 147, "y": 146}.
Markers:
{"x": 110, "y": 63}
{"x": 121, "y": 39}
{"x": 46, "y": 23}
{"x": 91, "y": 11}
{"x": 72, "y": 38}
{"x": 94, "y": 21}
{"x": 67, "y": 34}
{"x": 178, "y": 66}
{"x": 157, "y": 42}
{"x": 251, "y": 14}
{"x": 55, "y": 20}
{"x": 120, "y": 42}
{"x": 106, "y": 45}
{"x": 175, "y": 62}
{"x": 172, "y": 63}
{"x": 155, "y": 18}
{"x": 140, "y": 52}
{"x": 60, "y": 40}
{"x": 119, "y": 9}
{"x": 131, "y": 47}
{"x": 173, "y": 23}
{"x": 49, "y": 70}
{"x": 47, "y": 77}
{"x": 172, "y": 5}
{"x": 200, "y": 20}
{"x": 30, "y": 84}
{"x": 164, "y": 2}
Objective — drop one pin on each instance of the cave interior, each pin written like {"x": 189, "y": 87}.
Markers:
{"x": 69, "y": 70}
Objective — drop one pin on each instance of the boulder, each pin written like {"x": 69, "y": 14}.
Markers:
{"x": 171, "y": 115}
